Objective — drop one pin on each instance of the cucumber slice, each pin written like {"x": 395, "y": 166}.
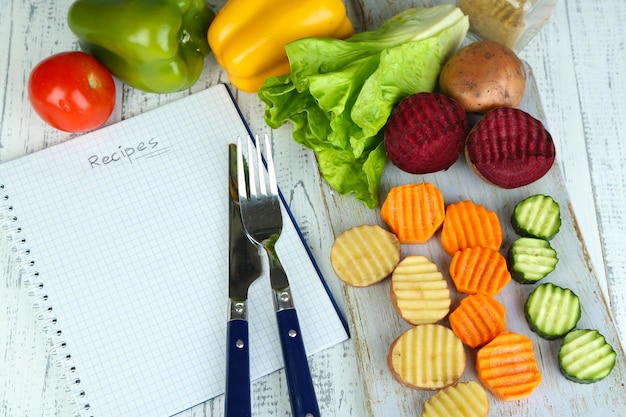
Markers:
{"x": 530, "y": 259}
{"x": 585, "y": 356}
{"x": 537, "y": 216}
{"x": 552, "y": 311}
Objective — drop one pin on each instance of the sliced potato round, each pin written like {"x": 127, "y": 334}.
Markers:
{"x": 419, "y": 291}
{"x": 427, "y": 356}
{"x": 464, "y": 399}
{"x": 364, "y": 255}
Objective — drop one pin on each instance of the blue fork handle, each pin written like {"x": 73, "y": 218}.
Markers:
{"x": 237, "y": 397}
{"x": 299, "y": 381}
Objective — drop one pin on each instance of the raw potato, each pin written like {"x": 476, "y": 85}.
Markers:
{"x": 428, "y": 356}
{"x": 482, "y": 76}
{"x": 364, "y": 255}
{"x": 465, "y": 399}
{"x": 419, "y": 291}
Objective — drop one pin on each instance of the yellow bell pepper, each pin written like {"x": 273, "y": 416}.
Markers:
{"x": 248, "y": 37}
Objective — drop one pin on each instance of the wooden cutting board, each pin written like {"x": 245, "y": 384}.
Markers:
{"x": 375, "y": 323}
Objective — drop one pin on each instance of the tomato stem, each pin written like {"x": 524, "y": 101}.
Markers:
{"x": 93, "y": 81}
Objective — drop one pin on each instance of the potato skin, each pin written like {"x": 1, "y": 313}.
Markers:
{"x": 482, "y": 76}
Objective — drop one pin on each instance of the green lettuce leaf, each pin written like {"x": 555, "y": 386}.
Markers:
{"x": 340, "y": 93}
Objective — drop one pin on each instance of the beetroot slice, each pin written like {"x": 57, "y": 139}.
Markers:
{"x": 426, "y": 133}
{"x": 509, "y": 148}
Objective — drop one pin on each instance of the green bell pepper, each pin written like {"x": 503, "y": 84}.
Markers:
{"x": 153, "y": 45}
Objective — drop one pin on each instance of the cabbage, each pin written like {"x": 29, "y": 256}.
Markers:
{"x": 340, "y": 93}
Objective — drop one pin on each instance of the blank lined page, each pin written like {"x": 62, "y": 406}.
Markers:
{"x": 128, "y": 229}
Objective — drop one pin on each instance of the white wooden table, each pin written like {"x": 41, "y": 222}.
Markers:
{"x": 579, "y": 63}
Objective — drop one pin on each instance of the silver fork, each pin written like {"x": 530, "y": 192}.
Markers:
{"x": 262, "y": 219}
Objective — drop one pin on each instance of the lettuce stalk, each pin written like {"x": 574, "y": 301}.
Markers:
{"x": 340, "y": 93}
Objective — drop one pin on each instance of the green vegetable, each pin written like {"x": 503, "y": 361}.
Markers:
{"x": 585, "y": 356}
{"x": 552, "y": 311}
{"x": 537, "y": 216}
{"x": 340, "y": 93}
{"x": 530, "y": 259}
{"x": 153, "y": 45}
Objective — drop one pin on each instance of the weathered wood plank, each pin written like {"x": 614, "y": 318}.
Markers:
{"x": 376, "y": 328}
{"x": 579, "y": 64}
{"x": 600, "y": 68}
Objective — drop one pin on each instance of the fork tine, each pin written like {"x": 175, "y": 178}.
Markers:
{"x": 260, "y": 168}
{"x": 251, "y": 175}
{"x": 270, "y": 167}
{"x": 263, "y": 222}
{"x": 247, "y": 183}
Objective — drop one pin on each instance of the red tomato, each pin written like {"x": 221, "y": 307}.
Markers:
{"x": 72, "y": 91}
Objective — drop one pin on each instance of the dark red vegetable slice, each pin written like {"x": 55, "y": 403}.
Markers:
{"x": 509, "y": 148}
{"x": 426, "y": 133}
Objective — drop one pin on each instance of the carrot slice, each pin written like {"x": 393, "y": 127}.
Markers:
{"x": 507, "y": 367}
{"x": 468, "y": 225}
{"x": 477, "y": 320}
{"x": 478, "y": 270}
{"x": 413, "y": 212}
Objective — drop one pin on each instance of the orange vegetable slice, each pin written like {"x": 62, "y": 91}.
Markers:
{"x": 478, "y": 319}
{"x": 414, "y": 212}
{"x": 507, "y": 367}
{"x": 419, "y": 291}
{"x": 364, "y": 255}
{"x": 464, "y": 399}
{"x": 427, "y": 356}
{"x": 467, "y": 225}
{"x": 478, "y": 270}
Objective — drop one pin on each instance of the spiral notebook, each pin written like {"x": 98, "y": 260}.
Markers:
{"x": 120, "y": 235}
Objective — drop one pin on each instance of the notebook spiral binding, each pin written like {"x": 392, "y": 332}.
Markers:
{"x": 24, "y": 265}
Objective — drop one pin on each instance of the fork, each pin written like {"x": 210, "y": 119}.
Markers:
{"x": 262, "y": 220}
